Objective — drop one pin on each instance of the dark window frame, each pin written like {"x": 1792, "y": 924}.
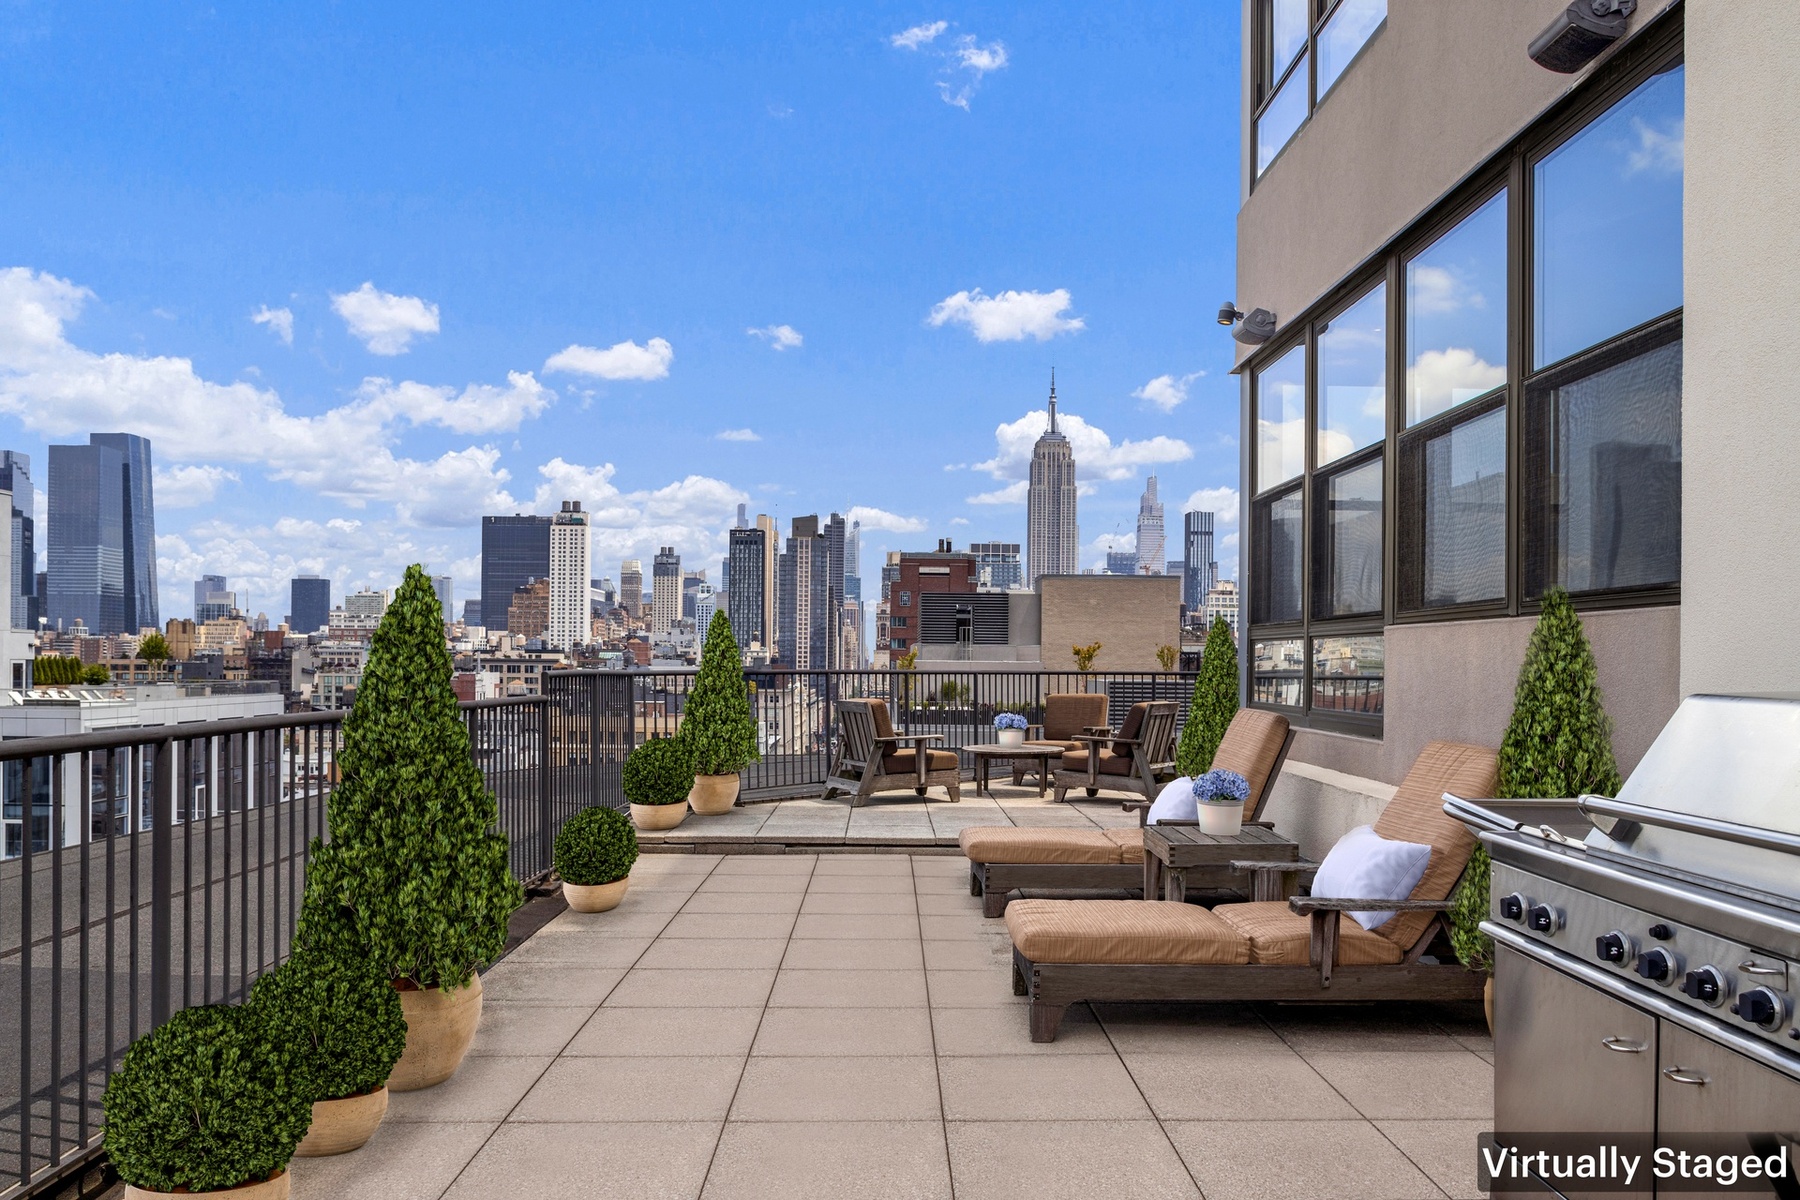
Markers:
{"x": 1268, "y": 83}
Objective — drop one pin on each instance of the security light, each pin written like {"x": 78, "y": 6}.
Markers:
{"x": 1579, "y": 33}
{"x": 1257, "y": 328}
{"x": 1229, "y": 314}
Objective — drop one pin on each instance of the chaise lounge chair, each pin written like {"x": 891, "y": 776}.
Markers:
{"x": 869, "y": 758}
{"x": 1067, "y": 951}
{"x": 1005, "y": 857}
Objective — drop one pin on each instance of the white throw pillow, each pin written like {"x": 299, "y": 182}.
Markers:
{"x": 1174, "y": 803}
{"x": 1366, "y": 866}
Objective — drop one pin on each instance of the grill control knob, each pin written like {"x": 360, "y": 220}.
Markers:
{"x": 1544, "y": 919}
{"x": 1661, "y": 932}
{"x": 1761, "y": 1007}
{"x": 1705, "y": 985}
{"x": 1613, "y": 947}
{"x": 1512, "y": 907}
{"x": 1656, "y": 965}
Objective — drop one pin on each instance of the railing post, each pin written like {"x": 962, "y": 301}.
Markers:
{"x": 546, "y": 835}
{"x": 162, "y": 882}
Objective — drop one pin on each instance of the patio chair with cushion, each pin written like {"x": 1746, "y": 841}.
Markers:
{"x": 1137, "y": 759}
{"x": 870, "y": 760}
{"x": 1067, "y": 951}
{"x": 1005, "y": 857}
{"x": 1067, "y": 716}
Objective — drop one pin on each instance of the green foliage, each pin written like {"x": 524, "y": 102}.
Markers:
{"x": 204, "y": 1102}
{"x": 1558, "y": 745}
{"x": 51, "y": 670}
{"x": 1215, "y": 702}
{"x": 95, "y": 675}
{"x": 332, "y": 1007}
{"x": 596, "y": 845}
{"x": 1085, "y": 655}
{"x": 414, "y": 860}
{"x": 154, "y": 648}
{"x": 658, "y": 772}
{"x": 718, "y": 727}
{"x": 1167, "y": 655}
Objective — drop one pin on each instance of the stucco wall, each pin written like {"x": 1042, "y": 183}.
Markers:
{"x": 1129, "y": 615}
{"x": 1740, "y": 423}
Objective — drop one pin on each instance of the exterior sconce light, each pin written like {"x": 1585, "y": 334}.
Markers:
{"x": 1579, "y": 33}
{"x": 1258, "y": 325}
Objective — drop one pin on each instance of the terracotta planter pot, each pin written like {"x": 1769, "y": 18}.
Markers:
{"x": 1487, "y": 1002}
{"x": 268, "y": 1189}
{"x": 595, "y": 897}
{"x": 658, "y": 816}
{"x": 340, "y": 1126}
{"x": 439, "y": 1027}
{"x": 713, "y": 794}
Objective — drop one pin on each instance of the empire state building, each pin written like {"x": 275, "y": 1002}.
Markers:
{"x": 1054, "y": 539}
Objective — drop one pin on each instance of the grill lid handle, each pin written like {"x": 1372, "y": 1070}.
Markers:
{"x": 1621, "y": 819}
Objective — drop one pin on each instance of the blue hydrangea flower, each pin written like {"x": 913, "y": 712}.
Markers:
{"x": 1221, "y": 787}
{"x": 1009, "y": 721}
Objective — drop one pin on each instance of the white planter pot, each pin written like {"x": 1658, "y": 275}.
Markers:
{"x": 658, "y": 816}
{"x": 1010, "y": 737}
{"x": 1221, "y": 820}
{"x": 595, "y": 897}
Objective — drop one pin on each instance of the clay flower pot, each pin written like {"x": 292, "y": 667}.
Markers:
{"x": 713, "y": 794}
{"x": 340, "y": 1126}
{"x": 594, "y": 897}
{"x": 439, "y": 1027}
{"x": 267, "y": 1189}
{"x": 658, "y": 816}
{"x": 1487, "y": 1002}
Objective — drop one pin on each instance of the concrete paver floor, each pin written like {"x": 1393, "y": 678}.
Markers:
{"x": 843, "y": 1026}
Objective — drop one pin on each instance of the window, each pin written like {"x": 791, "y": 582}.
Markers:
{"x": 1347, "y": 675}
{"x": 1287, "y": 21}
{"x": 1347, "y": 572}
{"x": 1278, "y": 672}
{"x": 1281, "y": 420}
{"x": 1607, "y": 223}
{"x": 1281, "y": 117}
{"x": 1456, "y": 305}
{"x": 1306, "y": 45}
{"x": 1351, "y": 24}
{"x": 1453, "y": 489}
{"x": 905, "y": 599}
{"x": 1353, "y": 378}
{"x": 1279, "y": 533}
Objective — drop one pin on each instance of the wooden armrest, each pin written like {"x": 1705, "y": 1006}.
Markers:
{"x": 1102, "y": 730}
{"x": 1133, "y": 805}
{"x": 1312, "y": 904}
{"x": 1296, "y": 866}
{"x": 914, "y": 737}
{"x": 1029, "y": 728}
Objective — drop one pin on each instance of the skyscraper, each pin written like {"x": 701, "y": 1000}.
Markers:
{"x": 997, "y": 565}
{"x": 745, "y": 585}
{"x": 514, "y": 551}
{"x": 771, "y": 574}
{"x": 1052, "y": 534}
{"x": 141, "y": 608}
{"x": 21, "y": 579}
{"x": 85, "y": 563}
{"x": 853, "y": 562}
{"x": 665, "y": 590}
{"x": 1200, "y": 572}
{"x": 804, "y": 616}
{"x": 1121, "y": 562}
{"x": 569, "y": 625}
{"x": 631, "y": 587}
{"x": 835, "y": 534}
{"x": 309, "y": 604}
{"x": 212, "y": 601}
{"x": 1150, "y": 530}
{"x": 445, "y": 587}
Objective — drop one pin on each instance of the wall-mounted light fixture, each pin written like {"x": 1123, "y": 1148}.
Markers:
{"x": 1258, "y": 324}
{"x": 1579, "y": 33}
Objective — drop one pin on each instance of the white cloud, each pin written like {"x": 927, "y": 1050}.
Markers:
{"x": 738, "y": 435}
{"x": 1166, "y": 392}
{"x": 189, "y": 486}
{"x": 1008, "y": 317}
{"x": 962, "y": 61}
{"x": 959, "y": 520}
{"x": 1662, "y": 151}
{"x": 623, "y": 360}
{"x": 382, "y": 321}
{"x": 1440, "y": 379}
{"x": 978, "y": 58}
{"x": 279, "y": 320}
{"x": 478, "y": 408}
{"x": 691, "y": 514}
{"x": 779, "y": 337}
{"x": 918, "y": 35}
{"x": 1012, "y": 493}
{"x": 1096, "y": 455}
{"x": 1439, "y": 290}
{"x": 879, "y": 518}
{"x": 1220, "y": 501}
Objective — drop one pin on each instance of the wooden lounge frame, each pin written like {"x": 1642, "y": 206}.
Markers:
{"x": 865, "y": 740}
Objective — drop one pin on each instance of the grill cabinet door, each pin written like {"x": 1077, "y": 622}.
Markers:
{"x": 1736, "y": 1096}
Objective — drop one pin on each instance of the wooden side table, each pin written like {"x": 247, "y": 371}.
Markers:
{"x": 986, "y": 753}
{"x": 1171, "y": 851}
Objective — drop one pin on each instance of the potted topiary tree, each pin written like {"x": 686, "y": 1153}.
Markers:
{"x": 594, "y": 852}
{"x": 718, "y": 727}
{"x": 332, "y": 1007}
{"x": 415, "y": 863}
{"x": 657, "y": 778}
{"x": 205, "y": 1103}
{"x": 1558, "y": 745}
{"x": 1214, "y": 703}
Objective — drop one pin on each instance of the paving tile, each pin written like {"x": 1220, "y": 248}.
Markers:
{"x": 1183, "y": 1029}
{"x": 1391, "y": 1027}
{"x": 1065, "y": 1160}
{"x": 951, "y": 902}
{"x": 633, "y": 1089}
{"x": 845, "y": 954}
{"x": 666, "y": 1032}
{"x": 1053, "y": 1087}
{"x": 943, "y": 885}
{"x": 403, "y": 1161}
{"x": 901, "y": 1160}
{"x": 973, "y": 989}
{"x": 843, "y": 1089}
{"x": 617, "y": 923}
{"x": 894, "y": 884}
{"x": 692, "y": 989}
{"x": 1411, "y": 1084}
{"x": 977, "y": 1032}
{"x": 528, "y": 1162}
{"x": 860, "y": 903}
{"x": 848, "y": 989}
{"x": 754, "y": 883}
{"x": 863, "y": 865}
{"x": 839, "y": 1032}
{"x": 1279, "y": 1160}
{"x": 714, "y": 953}
{"x": 1444, "y": 1150}
{"x": 744, "y": 902}
{"x": 955, "y": 866}
{"x": 729, "y": 925}
{"x": 526, "y": 1029}
{"x": 766, "y": 865}
{"x": 972, "y": 954}
{"x": 549, "y": 983}
{"x": 654, "y": 899}
{"x": 483, "y": 1089}
{"x": 1229, "y": 1086}
{"x": 972, "y": 926}
{"x": 866, "y": 925}
{"x": 564, "y": 946}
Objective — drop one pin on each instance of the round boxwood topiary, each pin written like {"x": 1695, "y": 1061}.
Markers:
{"x": 204, "y": 1102}
{"x": 596, "y": 845}
{"x": 658, "y": 772}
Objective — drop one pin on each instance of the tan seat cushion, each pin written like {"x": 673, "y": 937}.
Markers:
{"x": 1134, "y": 725}
{"x": 1251, "y": 744}
{"x": 1416, "y": 814}
{"x": 901, "y": 762}
{"x": 1130, "y": 842}
{"x": 1069, "y": 713}
{"x": 1065, "y": 747}
{"x": 1110, "y": 763}
{"x": 884, "y": 724}
{"x": 1277, "y": 934}
{"x": 1010, "y": 844}
{"x": 1138, "y": 932}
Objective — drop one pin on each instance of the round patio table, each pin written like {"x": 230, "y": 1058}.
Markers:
{"x": 987, "y": 753}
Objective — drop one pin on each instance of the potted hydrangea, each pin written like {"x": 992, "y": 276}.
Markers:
{"x": 1009, "y": 729}
{"x": 1220, "y": 795}
{"x": 594, "y": 853}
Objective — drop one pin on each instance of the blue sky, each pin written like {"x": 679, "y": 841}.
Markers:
{"x": 506, "y": 257}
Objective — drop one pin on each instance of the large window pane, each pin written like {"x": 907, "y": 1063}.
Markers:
{"x": 1344, "y": 34}
{"x": 1286, "y": 24}
{"x": 1278, "y": 672}
{"x": 1353, "y": 378}
{"x": 1607, "y": 225}
{"x": 1283, "y": 116}
{"x": 1281, "y": 419}
{"x": 1605, "y": 465}
{"x": 1347, "y": 575}
{"x": 1347, "y": 675}
{"x": 1456, "y": 315}
{"x": 1457, "y": 553}
{"x": 1276, "y": 598}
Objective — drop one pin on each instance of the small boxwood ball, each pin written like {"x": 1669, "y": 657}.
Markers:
{"x": 597, "y": 845}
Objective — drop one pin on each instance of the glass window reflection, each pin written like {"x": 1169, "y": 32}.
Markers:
{"x": 1465, "y": 512}
{"x": 1278, "y": 672}
{"x": 1347, "y": 675}
{"x": 1456, "y": 315}
{"x": 1281, "y": 419}
{"x": 1351, "y": 25}
{"x": 1278, "y": 570}
{"x": 1353, "y": 378}
{"x": 1282, "y": 118}
{"x": 1287, "y": 33}
{"x": 1347, "y": 575}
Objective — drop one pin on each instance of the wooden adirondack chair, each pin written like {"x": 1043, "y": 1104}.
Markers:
{"x": 1138, "y": 759}
{"x": 870, "y": 760}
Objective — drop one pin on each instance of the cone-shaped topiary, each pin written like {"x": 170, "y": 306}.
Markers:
{"x": 718, "y": 727}
{"x": 597, "y": 845}
{"x": 1558, "y": 745}
{"x": 1215, "y": 702}
{"x": 414, "y": 856}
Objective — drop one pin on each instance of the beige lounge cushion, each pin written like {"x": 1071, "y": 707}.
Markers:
{"x": 1251, "y": 744}
{"x": 1130, "y": 842}
{"x": 1277, "y": 934}
{"x": 902, "y": 762}
{"x": 1138, "y": 932}
{"x": 1067, "y": 714}
{"x": 1110, "y": 763}
{"x": 1416, "y": 814}
{"x": 1010, "y": 844}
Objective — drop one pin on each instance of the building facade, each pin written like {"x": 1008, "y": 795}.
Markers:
{"x": 1150, "y": 530}
{"x": 997, "y": 565}
{"x": 514, "y": 551}
{"x": 771, "y": 573}
{"x": 567, "y": 626}
{"x": 85, "y": 558}
{"x": 803, "y": 614}
{"x": 15, "y": 480}
{"x": 631, "y": 587}
{"x": 142, "y": 609}
{"x": 745, "y": 598}
{"x": 665, "y": 591}
{"x": 922, "y": 574}
{"x": 528, "y": 616}
{"x": 445, "y": 588}
{"x": 1053, "y": 536}
{"x": 1121, "y": 562}
{"x": 1199, "y": 562}
{"x": 309, "y": 604}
